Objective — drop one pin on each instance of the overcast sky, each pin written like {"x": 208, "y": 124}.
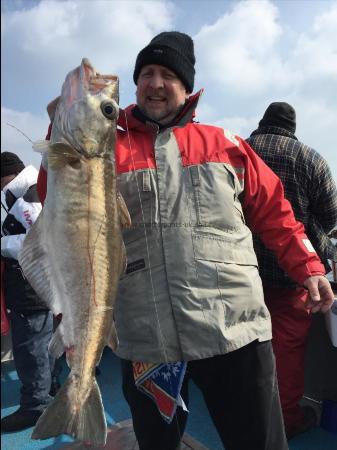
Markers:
{"x": 249, "y": 54}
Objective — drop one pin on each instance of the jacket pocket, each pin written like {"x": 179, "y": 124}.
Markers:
{"x": 216, "y": 196}
{"x": 137, "y": 188}
{"x": 229, "y": 295}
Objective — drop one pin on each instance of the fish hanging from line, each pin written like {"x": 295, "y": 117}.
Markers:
{"x": 74, "y": 254}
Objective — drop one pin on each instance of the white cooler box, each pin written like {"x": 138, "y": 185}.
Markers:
{"x": 331, "y": 323}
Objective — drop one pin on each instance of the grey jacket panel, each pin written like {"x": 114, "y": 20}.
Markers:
{"x": 192, "y": 288}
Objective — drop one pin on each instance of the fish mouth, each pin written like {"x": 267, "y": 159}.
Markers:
{"x": 97, "y": 82}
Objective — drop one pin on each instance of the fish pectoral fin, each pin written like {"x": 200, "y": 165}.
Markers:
{"x": 111, "y": 340}
{"x": 41, "y": 146}
{"x": 60, "y": 155}
{"x": 68, "y": 415}
{"x": 124, "y": 215}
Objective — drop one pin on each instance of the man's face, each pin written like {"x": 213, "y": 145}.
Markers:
{"x": 6, "y": 179}
{"x": 160, "y": 93}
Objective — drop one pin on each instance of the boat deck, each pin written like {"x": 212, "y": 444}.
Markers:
{"x": 122, "y": 437}
{"x": 200, "y": 432}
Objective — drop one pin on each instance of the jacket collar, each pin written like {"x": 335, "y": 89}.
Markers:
{"x": 127, "y": 120}
{"x": 22, "y": 182}
{"x": 274, "y": 130}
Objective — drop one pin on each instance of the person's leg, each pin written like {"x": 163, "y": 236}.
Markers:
{"x": 240, "y": 391}
{"x": 31, "y": 334}
{"x": 291, "y": 324}
{"x": 151, "y": 431}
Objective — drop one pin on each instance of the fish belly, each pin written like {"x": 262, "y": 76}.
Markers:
{"x": 85, "y": 235}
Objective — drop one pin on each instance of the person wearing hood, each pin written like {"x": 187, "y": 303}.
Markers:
{"x": 30, "y": 320}
{"x": 190, "y": 305}
{"x": 310, "y": 188}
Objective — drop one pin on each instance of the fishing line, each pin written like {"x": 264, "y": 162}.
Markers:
{"x": 163, "y": 343}
{"x": 162, "y": 339}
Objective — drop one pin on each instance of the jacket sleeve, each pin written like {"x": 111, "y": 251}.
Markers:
{"x": 323, "y": 194}
{"x": 25, "y": 213}
{"x": 322, "y": 197}
{"x": 42, "y": 177}
{"x": 42, "y": 184}
{"x": 270, "y": 215}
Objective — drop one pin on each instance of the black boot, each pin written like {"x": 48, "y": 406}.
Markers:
{"x": 309, "y": 421}
{"x": 19, "y": 420}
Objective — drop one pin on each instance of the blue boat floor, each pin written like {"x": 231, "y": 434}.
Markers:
{"x": 199, "y": 425}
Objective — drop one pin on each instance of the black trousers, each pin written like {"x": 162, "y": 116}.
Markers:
{"x": 31, "y": 334}
{"x": 241, "y": 394}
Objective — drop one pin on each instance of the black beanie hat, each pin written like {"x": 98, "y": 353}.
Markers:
{"x": 279, "y": 114}
{"x": 11, "y": 164}
{"x": 173, "y": 50}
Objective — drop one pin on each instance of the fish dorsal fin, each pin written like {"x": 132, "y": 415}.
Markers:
{"x": 60, "y": 155}
{"x": 124, "y": 215}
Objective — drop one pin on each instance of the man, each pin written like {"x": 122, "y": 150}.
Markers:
{"x": 191, "y": 293}
{"x": 31, "y": 322}
{"x": 311, "y": 190}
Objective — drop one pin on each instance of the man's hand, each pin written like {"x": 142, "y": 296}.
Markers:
{"x": 320, "y": 296}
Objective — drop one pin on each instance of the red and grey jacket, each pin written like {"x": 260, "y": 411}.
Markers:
{"x": 194, "y": 192}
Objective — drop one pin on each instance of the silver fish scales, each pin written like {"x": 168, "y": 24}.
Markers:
{"x": 74, "y": 254}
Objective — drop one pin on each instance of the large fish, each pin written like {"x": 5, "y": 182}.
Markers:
{"x": 74, "y": 254}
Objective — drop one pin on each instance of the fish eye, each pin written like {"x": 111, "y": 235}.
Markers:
{"x": 109, "y": 109}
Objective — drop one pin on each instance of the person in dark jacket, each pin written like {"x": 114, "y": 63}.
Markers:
{"x": 311, "y": 190}
{"x": 31, "y": 321}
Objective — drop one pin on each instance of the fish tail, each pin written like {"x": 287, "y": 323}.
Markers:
{"x": 85, "y": 423}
